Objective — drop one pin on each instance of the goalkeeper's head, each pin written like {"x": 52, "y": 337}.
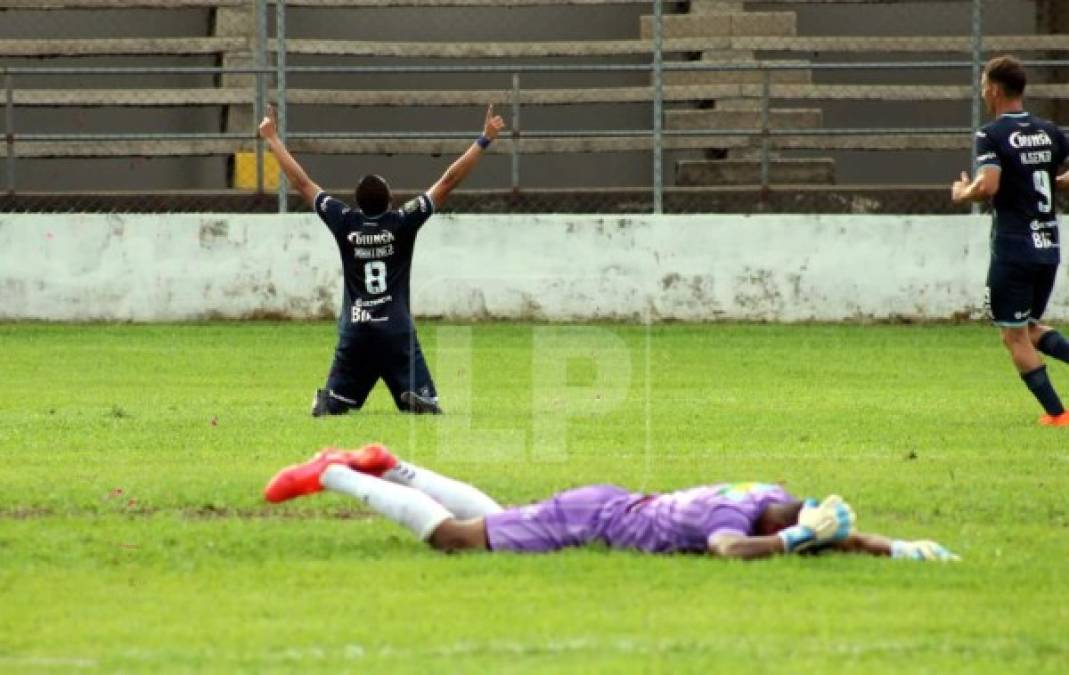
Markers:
{"x": 777, "y": 516}
{"x": 373, "y": 195}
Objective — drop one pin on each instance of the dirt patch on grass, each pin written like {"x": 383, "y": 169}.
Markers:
{"x": 206, "y": 512}
{"x": 25, "y": 513}
{"x": 215, "y": 512}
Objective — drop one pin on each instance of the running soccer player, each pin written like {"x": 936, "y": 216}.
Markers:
{"x": 376, "y": 334}
{"x": 730, "y": 520}
{"x": 1018, "y": 156}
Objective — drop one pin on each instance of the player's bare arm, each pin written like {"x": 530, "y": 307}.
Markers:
{"x": 1061, "y": 183}
{"x": 745, "y": 548}
{"x": 296, "y": 174}
{"x": 979, "y": 189}
{"x": 869, "y": 544}
{"x": 789, "y": 529}
{"x": 879, "y": 545}
{"x": 752, "y": 548}
{"x": 748, "y": 548}
{"x": 459, "y": 170}
{"x": 828, "y": 526}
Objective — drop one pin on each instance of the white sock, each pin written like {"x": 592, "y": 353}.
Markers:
{"x": 463, "y": 500}
{"x": 404, "y": 506}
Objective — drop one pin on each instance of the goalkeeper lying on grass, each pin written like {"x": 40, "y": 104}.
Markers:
{"x": 732, "y": 520}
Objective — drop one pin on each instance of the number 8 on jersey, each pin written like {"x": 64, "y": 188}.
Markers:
{"x": 375, "y": 277}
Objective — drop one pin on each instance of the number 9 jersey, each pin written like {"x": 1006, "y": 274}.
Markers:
{"x": 376, "y": 256}
{"x": 1028, "y": 151}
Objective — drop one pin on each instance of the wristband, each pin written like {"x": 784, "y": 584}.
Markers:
{"x": 901, "y": 549}
{"x": 796, "y": 538}
{"x": 483, "y": 142}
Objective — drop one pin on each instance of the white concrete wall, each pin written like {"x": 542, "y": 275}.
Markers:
{"x": 554, "y": 267}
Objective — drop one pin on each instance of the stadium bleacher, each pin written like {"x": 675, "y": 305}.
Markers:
{"x": 755, "y": 38}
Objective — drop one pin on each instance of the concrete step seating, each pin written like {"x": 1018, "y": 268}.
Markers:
{"x": 699, "y": 172}
{"x": 194, "y": 46}
{"x": 778, "y": 118}
{"x": 716, "y": 31}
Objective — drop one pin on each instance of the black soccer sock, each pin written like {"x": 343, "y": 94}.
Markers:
{"x": 1040, "y": 386}
{"x": 1054, "y": 344}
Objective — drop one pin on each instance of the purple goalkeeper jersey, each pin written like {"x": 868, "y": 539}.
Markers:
{"x": 673, "y": 522}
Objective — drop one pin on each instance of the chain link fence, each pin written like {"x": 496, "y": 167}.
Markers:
{"x": 613, "y": 105}
{"x": 78, "y": 134}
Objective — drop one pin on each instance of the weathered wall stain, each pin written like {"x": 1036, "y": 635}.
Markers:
{"x": 669, "y": 280}
{"x": 542, "y": 267}
{"x": 212, "y": 231}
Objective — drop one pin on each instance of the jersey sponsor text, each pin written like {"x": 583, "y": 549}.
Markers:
{"x": 1036, "y": 140}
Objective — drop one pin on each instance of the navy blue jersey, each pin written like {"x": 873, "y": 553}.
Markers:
{"x": 376, "y": 258}
{"x": 1029, "y": 151}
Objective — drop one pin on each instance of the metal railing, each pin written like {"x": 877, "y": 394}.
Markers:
{"x": 264, "y": 72}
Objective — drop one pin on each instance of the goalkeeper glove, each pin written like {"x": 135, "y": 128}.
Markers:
{"x": 921, "y": 550}
{"x": 825, "y": 523}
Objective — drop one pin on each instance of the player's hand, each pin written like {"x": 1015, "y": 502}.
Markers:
{"x": 1061, "y": 183}
{"x": 828, "y": 522}
{"x": 494, "y": 123}
{"x": 268, "y": 125}
{"x": 921, "y": 550}
{"x": 957, "y": 190}
{"x": 832, "y": 520}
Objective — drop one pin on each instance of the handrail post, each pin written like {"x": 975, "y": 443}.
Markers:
{"x": 766, "y": 94}
{"x": 280, "y": 96}
{"x": 9, "y": 130}
{"x": 515, "y": 133}
{"x": 658, "y": 107}
{"x": 977, "y": 60}
{"x": 261, "y": 103}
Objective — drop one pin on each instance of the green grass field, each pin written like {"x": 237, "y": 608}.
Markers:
{"x": 133, "y": 537}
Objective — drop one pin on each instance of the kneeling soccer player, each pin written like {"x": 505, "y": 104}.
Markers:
{"x": 376, "y": 333}
{"x": 732, "y": 520}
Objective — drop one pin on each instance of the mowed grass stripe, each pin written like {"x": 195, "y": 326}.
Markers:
{"x": 133, "y": 536}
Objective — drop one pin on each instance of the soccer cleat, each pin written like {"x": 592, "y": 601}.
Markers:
{"x": 302, "y": 479}
{"x": 1055, "y": 420}
{"x": 329, "y": 402}
{"x": 414, "y": 403}
{"x": 373, "y": 459}
{"x": 320, "y": 404}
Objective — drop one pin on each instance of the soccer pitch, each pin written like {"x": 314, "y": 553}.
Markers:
{"x": 133, "y": 536}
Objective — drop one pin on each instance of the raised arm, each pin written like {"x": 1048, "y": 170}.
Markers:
{"x": 294, "y": 172}
{"x": 460, "y": 169}
{"x": 980, "y": 189}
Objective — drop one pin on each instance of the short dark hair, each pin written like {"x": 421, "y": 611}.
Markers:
{"x": 1008, "y": 73}
{"x": 777, "y": 516}
{"x": 373, "y": 195}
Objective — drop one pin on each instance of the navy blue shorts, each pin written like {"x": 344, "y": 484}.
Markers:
{"x": 1017, "y": 293}
{"x": 363, "y": 357}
